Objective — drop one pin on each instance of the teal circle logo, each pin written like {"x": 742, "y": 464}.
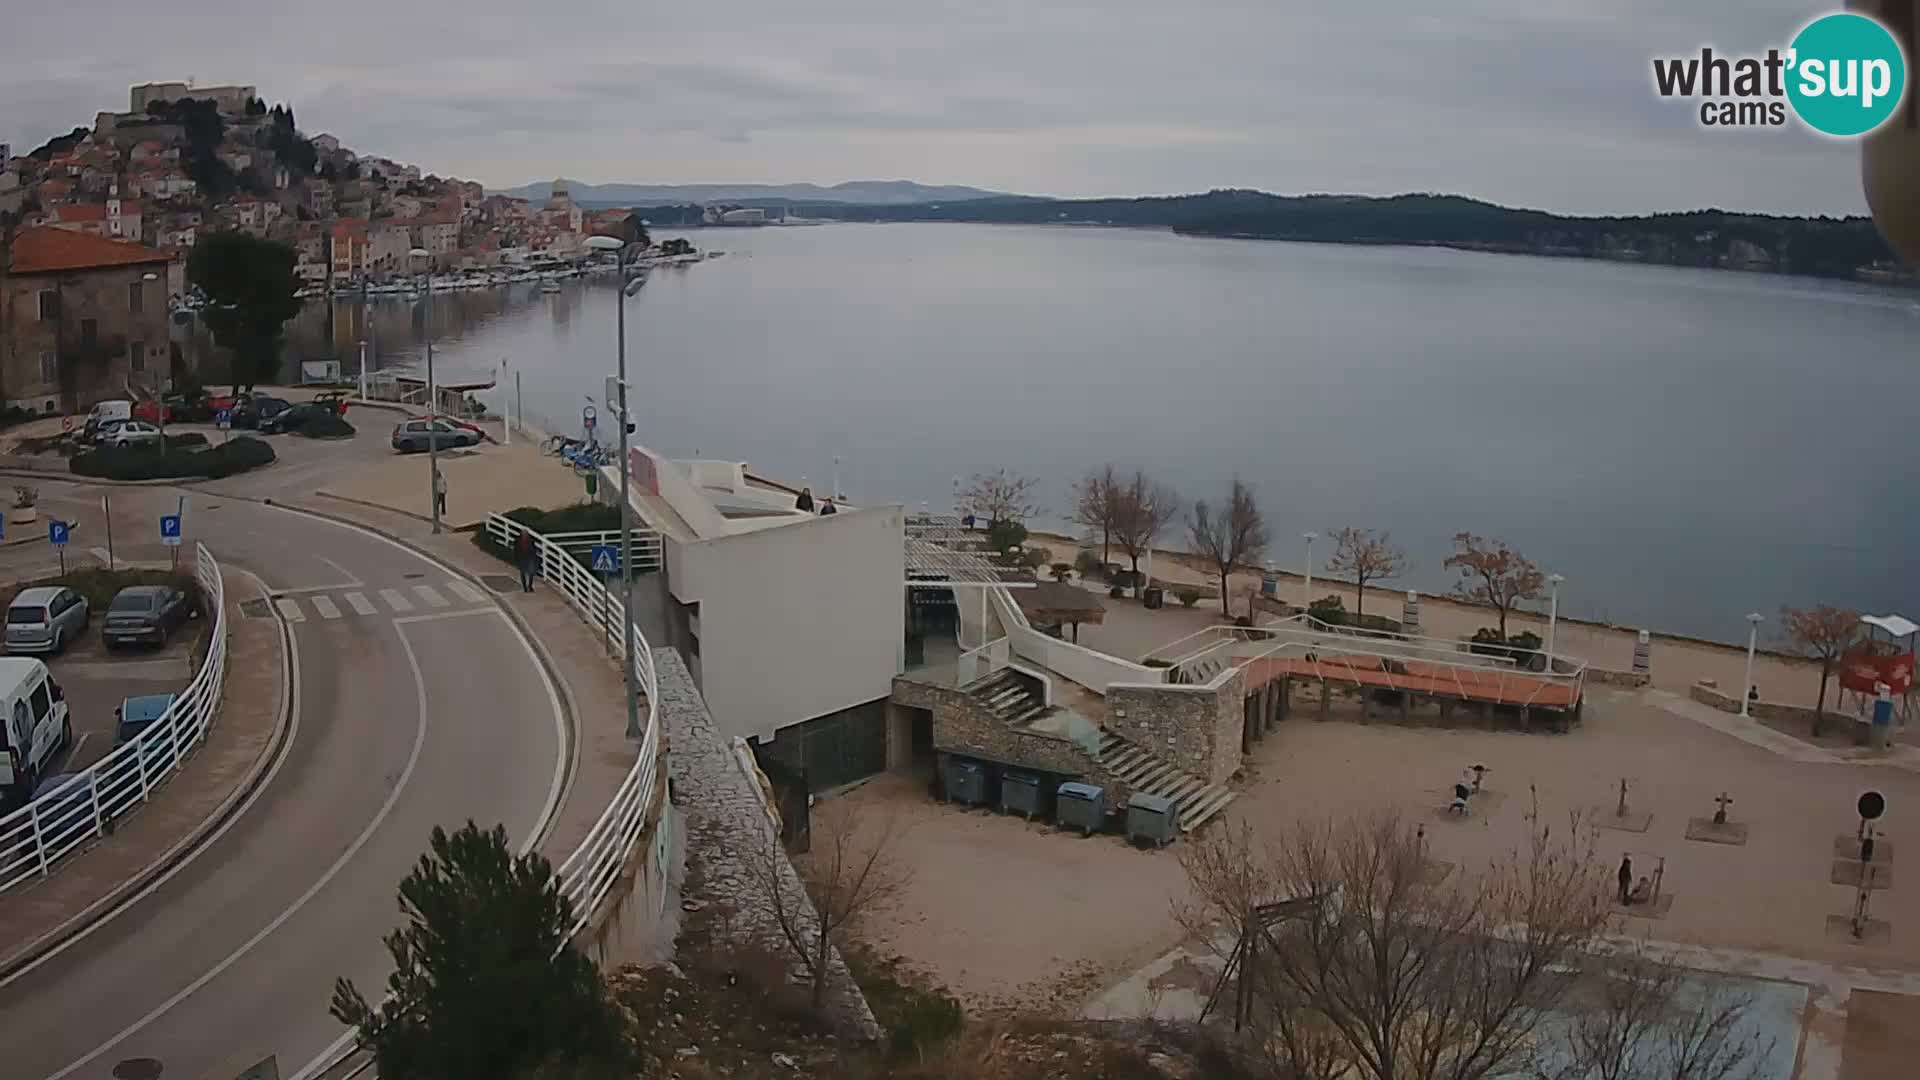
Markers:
{"x": 1847, "y": 74}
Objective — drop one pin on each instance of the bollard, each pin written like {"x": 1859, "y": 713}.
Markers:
{"x": 1642, "y": 655}
{"x": 1410, "y": 613}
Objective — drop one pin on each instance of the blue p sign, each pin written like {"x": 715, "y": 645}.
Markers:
{"x": 57, "y": 533}
{"x": 170, "y": 529}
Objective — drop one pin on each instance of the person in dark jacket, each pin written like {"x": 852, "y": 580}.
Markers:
{"x": 805, "y": 501}
{"x": 827, "y": 507}
{"x": 1626, "y": 879}
{"x": 527, "y": 557}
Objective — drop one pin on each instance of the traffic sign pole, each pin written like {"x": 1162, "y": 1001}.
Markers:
{"x": 106, "y": 507}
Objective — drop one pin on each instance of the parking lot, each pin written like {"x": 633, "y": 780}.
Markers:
{"x": 97, "y": 682}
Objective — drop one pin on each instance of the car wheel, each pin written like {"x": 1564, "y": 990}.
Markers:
{"x": 59, "y": 642}
{"x": 66, "y": 733}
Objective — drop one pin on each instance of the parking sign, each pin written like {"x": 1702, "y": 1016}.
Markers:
{"x": 57, "y": 533}
{"x": 224, "y": 419}
{"x": 170, "y": 529}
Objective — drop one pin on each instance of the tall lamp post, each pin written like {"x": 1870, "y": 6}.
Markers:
{"x": 619, "y": 405}
{"x": 1754, "y": 619}
{"x": 1553, "y": 613}
{"x": 1309, "y": 537}
{"x": 433, "y": 400}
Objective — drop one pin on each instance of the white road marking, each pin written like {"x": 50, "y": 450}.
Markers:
{"x": 396, "y": 601}
{"x": 440, "y": 615}
{"x": 325, "y": 607}
{"x": 290, "y": 609}
{"x": 406, "y": 774}
{"x": 73, "y": 753}
{"x": 359, "y": 604}
{"x": 344, "y": 572}
{"x": 466, "y": 592}
{"x": 427, "y": 594}
{"x": 105, "y": 556}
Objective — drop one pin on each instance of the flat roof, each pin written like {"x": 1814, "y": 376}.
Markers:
{"x": 930, "y": 564}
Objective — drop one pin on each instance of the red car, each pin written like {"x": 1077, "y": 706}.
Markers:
{"x": 153, "y": 412}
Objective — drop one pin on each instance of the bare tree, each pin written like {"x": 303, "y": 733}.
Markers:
{"x": 847, "y": 876}
{"x": 1142, "y": 510}
{"x": 1093, "y": 505}
{"x": 1638, "y": 1016}
{"x": 1228, "y": 537}
{"x": 1385, "y": 975}
{"x": 1364, "y": 556}
{"x": 999, "y": 497}
{"x": 1821, "y": 633}
{"x": 1494, "y": 575}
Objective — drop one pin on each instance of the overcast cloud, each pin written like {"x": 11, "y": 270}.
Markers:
{"x": 1545, "y": 103}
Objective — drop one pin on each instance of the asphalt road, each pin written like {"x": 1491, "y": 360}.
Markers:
{"x": 417, "y": 704}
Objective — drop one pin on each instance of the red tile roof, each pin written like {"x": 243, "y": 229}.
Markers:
{"x": 45, "y": 250}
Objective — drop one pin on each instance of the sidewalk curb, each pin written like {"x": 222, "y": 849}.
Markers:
{"x": 190, "y": 843}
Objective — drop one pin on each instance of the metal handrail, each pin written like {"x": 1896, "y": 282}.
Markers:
{"x": 589, "y": 873}
{"x": 38, "y": 835}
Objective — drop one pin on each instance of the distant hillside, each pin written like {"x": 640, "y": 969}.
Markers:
{"x": 865, "y": 192}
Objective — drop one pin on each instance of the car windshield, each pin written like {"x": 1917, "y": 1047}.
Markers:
{"x": 132, "y": 602}
{"x": 26, "y": 614}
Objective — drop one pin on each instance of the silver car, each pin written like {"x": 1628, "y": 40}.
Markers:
{"x": 45, "y": 619}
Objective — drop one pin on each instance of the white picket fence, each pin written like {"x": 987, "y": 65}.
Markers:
{"x": 38, "y": 835}
{"x": 589, "y": 873}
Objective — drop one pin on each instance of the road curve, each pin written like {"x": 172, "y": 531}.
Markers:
{"x": 417, "y": 704}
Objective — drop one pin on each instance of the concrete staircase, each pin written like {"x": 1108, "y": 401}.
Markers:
{"x": 1008, "y": 696}
{"x": 1194, "y": 798}
{"x": 1199, "y": 671}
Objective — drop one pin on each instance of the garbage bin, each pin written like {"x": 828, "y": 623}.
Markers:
{"x": 966, "y": 782}
{"x": 1081, "y": 806}
{"x": 1155, "y": 596}
{"x": 1020, "y": 793}
{"x": 1152, "y": 818}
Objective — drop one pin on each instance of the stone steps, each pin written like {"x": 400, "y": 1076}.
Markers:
{"x": 1195, "y": 799}
{"x": 1007, "y": 696}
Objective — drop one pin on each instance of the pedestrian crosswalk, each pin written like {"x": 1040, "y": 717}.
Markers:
{"x": 370, "y": 602}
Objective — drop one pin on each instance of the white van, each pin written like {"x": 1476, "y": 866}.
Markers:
{"x": 106, "y": 412}
{"x": 34, "y": 725}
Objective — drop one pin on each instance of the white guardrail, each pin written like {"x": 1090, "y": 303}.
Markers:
{"x": 41, "y": 833}
{"x": 589, "y": 873}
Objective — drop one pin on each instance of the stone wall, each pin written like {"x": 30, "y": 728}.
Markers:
{"x": 1197, "y": 728}
{"x": 728, "y": 825}
{"x": 1709, "y": 694}
{"x": 962, "y": 724}
{"x": 1633, "y": 679}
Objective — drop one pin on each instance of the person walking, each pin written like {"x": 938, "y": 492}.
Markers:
{"x": 440, "y": 493}
{"x": 1626, "y": 879}
{"x": 805, "y": 501}
{"x": 525, "y": 554}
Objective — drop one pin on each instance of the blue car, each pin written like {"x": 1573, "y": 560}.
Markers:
{"x": 137, "y": 714}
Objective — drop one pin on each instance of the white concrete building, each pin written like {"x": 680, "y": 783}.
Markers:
{"x": 792, "y": 622}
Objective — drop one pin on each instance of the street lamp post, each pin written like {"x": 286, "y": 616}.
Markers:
{"x": 433, "y": 400}
{"x": 627, "y": 288}
{"x": 1553, "y": 613}
{"x": 1308, "y": 599}
{"x": 1754, "y": 619}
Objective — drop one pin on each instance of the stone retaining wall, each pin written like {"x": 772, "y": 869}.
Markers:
{"x": 1197, "y": 728}
{"x": 1634, "y": 679}
{"x": 1707, "y": 694}
{"x": 962, "y": 724}
{"x": 727, "y": 824}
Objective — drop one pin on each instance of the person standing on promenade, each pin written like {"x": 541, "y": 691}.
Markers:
{"x": 524, "y": 554}
{"x": 1626, "y": 879}
{"x": 440, "y": 493}
{"x": 805, "y": 501}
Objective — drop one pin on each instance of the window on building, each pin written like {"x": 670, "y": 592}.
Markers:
{"x": 89, "y": 332}
{"x": 49, "y": 305}
{"x": 137, "y": 356}
{"x": 133, "y": 297}
{"x": 49, "y": 367}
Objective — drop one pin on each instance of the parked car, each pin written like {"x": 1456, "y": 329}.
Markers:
{"x": 132, "y": 433}
{"x": 34, "y": 727}
{"x": 137, "y": 714}
{"x": 332, "y": 399}
{"x": 44, "y": 619}
{"x": 155, "y": 412}
{"x": 64, "y": 806}
{"x": 295, "y": 418}
{"x": 248, "y": 413}
{"x": 144, "y": 613}
{"x": 411, "y": 436}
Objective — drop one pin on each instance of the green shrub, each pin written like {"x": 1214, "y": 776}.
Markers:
{"x": 1522, "y": 648}
{"x": 1061, "y": 570}
{"x": 1118, "y": 592}
{"x": 149, "y": 463}
{"x": 579, "y": 517}
{"x": 186, "y": 440}
{"x": 1329, "y": 609}
{"x": 922, "y": 1021}
{"x": 1127, "y": 579}
{"x": 1088, "y": 564}
{"x": 329, "y": 426}
{"x": 1188, "y": 597}
{"x": 1006, "y": 535}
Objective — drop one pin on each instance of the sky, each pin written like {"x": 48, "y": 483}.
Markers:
{"x": 1545, "y": 104}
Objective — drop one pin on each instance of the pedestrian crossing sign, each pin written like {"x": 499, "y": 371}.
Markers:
{"x": 605, "y": 559}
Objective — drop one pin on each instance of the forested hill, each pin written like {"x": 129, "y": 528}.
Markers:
{"x": 1822, "y": 247}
